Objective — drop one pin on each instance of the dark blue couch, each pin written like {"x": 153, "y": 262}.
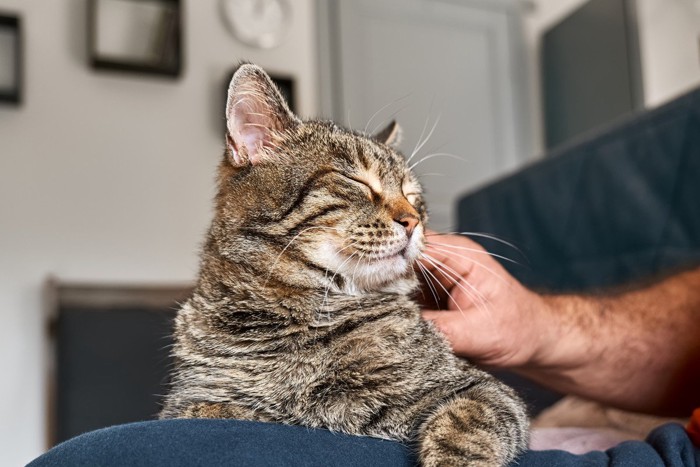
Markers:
{"x": 617, "y": 207}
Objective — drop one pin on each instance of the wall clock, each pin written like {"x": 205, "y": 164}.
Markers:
{"x": 258, "y": 23}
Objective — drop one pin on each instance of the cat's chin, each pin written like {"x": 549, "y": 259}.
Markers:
{"x": 392, "y": 273}
{"x": 386, "y": 278}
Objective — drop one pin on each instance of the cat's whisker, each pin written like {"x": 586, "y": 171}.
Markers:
{"x": 428, "y": 282}
{"x": 391, "y": 117}
{"x": 421, "y": 289}
{"x": 274, "y": 263}
{"x": 447, "y": 292}
{"x": 458, "y": 280}
{"x": 359, "y": 260}
{"x": 420, "y": 146}
{"x": 357, "y": 263}
{"x": 482, "y": 305}
{"x": 420, "y": 138}
{"x": 425, "y": 126}
{"x": 482, "y": 235}
{"x": 384, "y": 107}
{"x": 437, "y": 154}
{"x": 450, "y": 278}
{"x": 325, "y": 277}
{"x": 325, "y": 297}
{"x": 474, "y": 250}
{"x": 476, "y": 263}
{"x": 454, "y": 275}
{"x": 335, "y": 255}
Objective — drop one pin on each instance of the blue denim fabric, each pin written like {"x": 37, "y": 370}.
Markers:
{"x": 214, "y": 443}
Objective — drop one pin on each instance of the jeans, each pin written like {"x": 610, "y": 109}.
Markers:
{"x": 215, "y": 443}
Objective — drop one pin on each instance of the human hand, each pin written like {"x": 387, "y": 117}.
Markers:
{"x": 488, "y": 316}
{"x": 636, "y": 350}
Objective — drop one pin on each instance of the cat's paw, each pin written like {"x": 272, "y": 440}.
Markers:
{"x": 461, "y": 433}
{"x": 205, "y": 410}
{"x": 447, "y": 452}
{"x": 215, "y": 410}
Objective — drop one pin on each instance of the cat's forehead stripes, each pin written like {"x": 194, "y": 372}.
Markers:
{"x": 360, "y": 154}
{"x": 377, "y": 166}
{"x": 384, "y": 162}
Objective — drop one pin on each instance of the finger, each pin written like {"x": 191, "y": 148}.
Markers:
{"x": 446, "y": 267}
{"x": 435, "y": 287}
{"x": 454, "y": 251}
{"x": 433, "y": 315}
{"x": 458, "y": 328}
{"x": 430, "y": 295}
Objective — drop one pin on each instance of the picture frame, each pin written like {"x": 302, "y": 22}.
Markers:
{"x": 137, "y": 36}
{"x": 11, "y": 59}
{"x": 108, "y": 348}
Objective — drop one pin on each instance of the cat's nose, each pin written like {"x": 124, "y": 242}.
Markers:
{"x": 408, "y": 221}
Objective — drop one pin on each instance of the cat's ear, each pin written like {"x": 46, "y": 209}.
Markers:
{"x": 256, "y": 115}
{"x": 391, "y": 135}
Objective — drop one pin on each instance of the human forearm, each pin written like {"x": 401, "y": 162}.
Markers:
{"x": 638, "y": 350}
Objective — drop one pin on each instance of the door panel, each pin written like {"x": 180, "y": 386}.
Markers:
{"x": 431, "y": 63}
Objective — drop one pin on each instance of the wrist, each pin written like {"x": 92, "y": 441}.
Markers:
{"x": 566, "y": 332}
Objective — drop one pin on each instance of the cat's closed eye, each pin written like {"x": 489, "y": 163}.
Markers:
{"x": 411, "y": 197}
{"x": 410, "y": 191}
{"x": 364, "y": 184}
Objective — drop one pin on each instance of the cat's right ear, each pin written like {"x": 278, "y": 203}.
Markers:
{"x": 390, "y": 135}
{"x": 256, "y": 116}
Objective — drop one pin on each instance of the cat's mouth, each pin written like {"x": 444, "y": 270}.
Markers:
{"x": 406, "y": 251}
{"x": 382, "y": 256}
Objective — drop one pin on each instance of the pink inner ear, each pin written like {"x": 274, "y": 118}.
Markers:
{"x": 254, "y": 139}
{"x": 249, "y": 126}
{"x": 236, "y": 158}
{"x": 256, "y": 113}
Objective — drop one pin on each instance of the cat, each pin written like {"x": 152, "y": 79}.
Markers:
{"x": 303, "y": 311}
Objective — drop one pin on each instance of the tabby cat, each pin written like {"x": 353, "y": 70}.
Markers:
{"x": 303, "y": 311}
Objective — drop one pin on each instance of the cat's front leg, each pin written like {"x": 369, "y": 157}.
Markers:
{"x": 467, "y": 431}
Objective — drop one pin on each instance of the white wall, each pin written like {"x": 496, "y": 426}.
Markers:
{"x": 108, "y": 177}
{"x": 669, "y": 34}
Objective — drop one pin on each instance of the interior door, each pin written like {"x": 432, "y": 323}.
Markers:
{"x": 449, "y": 72}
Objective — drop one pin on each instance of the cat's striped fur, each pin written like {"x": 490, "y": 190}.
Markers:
{"x": 303, "y": 312}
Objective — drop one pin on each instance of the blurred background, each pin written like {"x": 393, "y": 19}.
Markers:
{"x": 112, "y": 123}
